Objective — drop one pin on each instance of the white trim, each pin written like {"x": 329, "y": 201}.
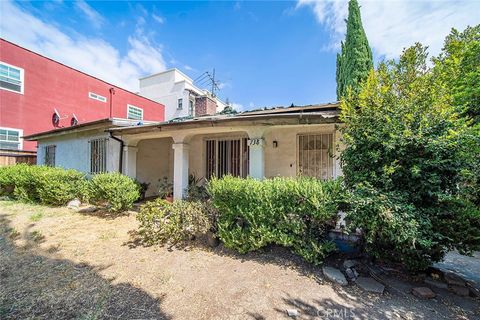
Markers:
{"x": 96, "y": 96}
{"x": 22, "y": 78}
{"x": 129, "y": 106}
{"x": 20, "y": 135}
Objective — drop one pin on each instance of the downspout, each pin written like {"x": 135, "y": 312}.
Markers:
{"x": 120, "y": 158}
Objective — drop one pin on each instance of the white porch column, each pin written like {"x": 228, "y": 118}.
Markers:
{"x": 180, "y": 169}
{"x": 130, "y": 161}
{"x": 256, "y": 143}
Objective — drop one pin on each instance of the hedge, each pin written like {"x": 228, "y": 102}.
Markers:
{"x": 292, "y": 212}
{"x": 56, "y": 186}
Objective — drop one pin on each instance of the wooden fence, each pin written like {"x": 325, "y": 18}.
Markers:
{"x": 9, "y": 157}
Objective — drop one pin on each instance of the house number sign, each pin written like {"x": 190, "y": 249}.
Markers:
{"x": 255, "y": 142}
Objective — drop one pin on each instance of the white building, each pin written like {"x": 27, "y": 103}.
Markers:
{"x": 269, "y": 143}
{"x": 180, "y": 96}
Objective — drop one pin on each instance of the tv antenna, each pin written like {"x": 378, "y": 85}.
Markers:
{"x": 208, "y": 79}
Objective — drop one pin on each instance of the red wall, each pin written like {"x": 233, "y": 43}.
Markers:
{"x": 49, "y": 85}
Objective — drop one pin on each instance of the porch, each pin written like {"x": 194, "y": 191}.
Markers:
{"x": 274, "y": 146}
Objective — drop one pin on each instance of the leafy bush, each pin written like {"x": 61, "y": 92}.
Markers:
{"x": 46, "y": 185}
{"x": 292, "y": 212}
{"x": 407, "y": 151}
{"x": 57, "y": 186}
{"x": 162, "y": 222}
{"x": 118, "y": 191}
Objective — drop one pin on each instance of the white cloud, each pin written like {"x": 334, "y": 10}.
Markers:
{"x": 393, "y": 25}
{"x": 95, "y": 18}
{"x": 158, "y": 18}
{"x": 94, "y": 56}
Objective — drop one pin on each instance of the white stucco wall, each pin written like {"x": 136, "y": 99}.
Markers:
{"x": 73, "y": 151}
{"x": 282, "y": 160}
{"x": 154, "y": 162}
{"x": 166, "y": 88}
{"x": 279, "y": 161}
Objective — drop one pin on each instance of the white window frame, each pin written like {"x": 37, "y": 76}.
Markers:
{"x": 180, "y": 104}
{"x": 20, "y": 135}
{"x": 22, "y": 78}
{"x": 191, "y": 107}
{"x": 132, "y": 107}
{"x": 96, "y": 96}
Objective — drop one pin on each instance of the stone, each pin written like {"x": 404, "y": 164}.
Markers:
{"x": 349, "y": 263}
{"x": 334, "y": 275}
{"x": 460, "y": 290}
{"x": 88, "y": 209}
{"x": 435, "y": 283}
{"x": 73, "y": 204}
{"x": 350, "y": 273}
{"x": 292, "y": 313}
{"x": 454, "y": 280}
{"x": 423, "y": 293}
{"x": 370, "y": 284}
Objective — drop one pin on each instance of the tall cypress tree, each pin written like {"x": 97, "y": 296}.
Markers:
{"x": 355, "y": 59}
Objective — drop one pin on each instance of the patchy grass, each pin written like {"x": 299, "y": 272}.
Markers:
{"x": 36, "y": 216}
{"x": 71, "y": 265}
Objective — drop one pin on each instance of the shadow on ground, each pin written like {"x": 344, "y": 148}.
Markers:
{"x": 34, "y": 284}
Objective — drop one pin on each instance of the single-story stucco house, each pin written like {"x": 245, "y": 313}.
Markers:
{"x": 287, "y": 141}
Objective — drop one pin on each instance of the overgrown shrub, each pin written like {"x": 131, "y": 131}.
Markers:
{"x": 117, "y": 191}
{"x": 163, "y": 222}
{"x": 292, "y": 212}
{"x": 41, "y": 184}
{"x": 408, "y": 151}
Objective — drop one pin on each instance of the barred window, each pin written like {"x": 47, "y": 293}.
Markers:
{"x": 315, "y": 155}
{"x": 227, "y": 156}
{"x": 98, "y": 155}
{"x": 50, "y": 156}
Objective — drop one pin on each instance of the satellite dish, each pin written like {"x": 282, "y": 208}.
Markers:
{"x": 73, "y": 121}
{"x": 55, "y": 119}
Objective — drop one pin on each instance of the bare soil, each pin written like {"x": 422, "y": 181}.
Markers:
{"x": 59, "y": 264}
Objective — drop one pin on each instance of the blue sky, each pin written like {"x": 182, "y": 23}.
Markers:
{"x": 264, "y": 53}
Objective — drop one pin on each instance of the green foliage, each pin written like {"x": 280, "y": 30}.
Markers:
{"x": 458, "y": 67}
{"x": 292, "y": 212}
{"x": 41, "y": 184}
{"x": 355, "y": 61}
{"x": 407, "y": 151}
{"x": 162, "y": 222}
{"x": 165, "y": 188}
{"x": 228, "y": 110}
{"x": 196, "y": 189}
{"x": 118, "y": 191}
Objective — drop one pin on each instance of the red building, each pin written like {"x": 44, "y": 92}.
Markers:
{"x": 39, "y": 94}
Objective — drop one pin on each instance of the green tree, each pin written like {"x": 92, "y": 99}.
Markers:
{"x": 355, "y": 59}
{"x": 458, "y": 67}
{"x": 404, "y": 159}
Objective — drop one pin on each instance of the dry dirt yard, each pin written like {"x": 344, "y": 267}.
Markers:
{"x": 59, "y": 264}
